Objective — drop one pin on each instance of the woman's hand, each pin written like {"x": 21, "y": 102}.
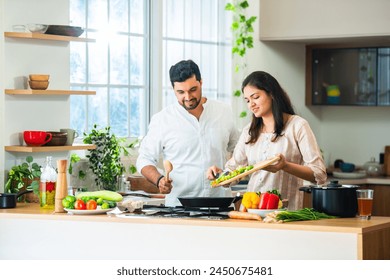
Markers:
{"x": 212, "y": 172}
{"x": 279, "y": 165}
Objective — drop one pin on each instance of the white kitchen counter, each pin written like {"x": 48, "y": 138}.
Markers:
{"x": 28, "y": 232}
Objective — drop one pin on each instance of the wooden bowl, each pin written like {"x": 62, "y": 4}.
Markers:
{"x": 39, "y": 77}
{"x": 38, "y": 84}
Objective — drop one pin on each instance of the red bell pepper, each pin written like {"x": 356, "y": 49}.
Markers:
{"x": 269, "y": 201}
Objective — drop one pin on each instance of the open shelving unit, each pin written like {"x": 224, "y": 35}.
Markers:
{"x": 49, "y": 37}
{"x": 40, "y": 36}
{"x": 30, "y": 149}
{"x": 48, "y": 92}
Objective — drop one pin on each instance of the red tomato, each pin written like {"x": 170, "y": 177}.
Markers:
{"x": 91, "y": 204}
{"x": 79, "y": 205}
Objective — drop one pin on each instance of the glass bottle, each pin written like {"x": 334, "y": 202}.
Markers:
{"x": 47, "y": 185}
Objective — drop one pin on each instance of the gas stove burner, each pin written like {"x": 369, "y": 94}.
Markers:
{"x": 214, "y": 213}
{"x": 208, "y": 210}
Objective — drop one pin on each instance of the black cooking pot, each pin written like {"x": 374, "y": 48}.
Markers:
{"x": 8, "y": 200}
{"x": 334, "y": 199}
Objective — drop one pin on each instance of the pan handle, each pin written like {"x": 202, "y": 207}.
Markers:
{"x": 305, "y": 189}
{"x": 23, "y": 192}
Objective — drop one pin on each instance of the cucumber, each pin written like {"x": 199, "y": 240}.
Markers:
{"x": 106, "y": 195}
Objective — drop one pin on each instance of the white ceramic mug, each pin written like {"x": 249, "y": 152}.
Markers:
{"x": 72, "y": 134}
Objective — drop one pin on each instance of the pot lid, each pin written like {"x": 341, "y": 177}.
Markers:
{"x": 334, "y": 184}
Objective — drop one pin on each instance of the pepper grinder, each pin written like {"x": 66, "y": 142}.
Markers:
{"x": 62, "y": 185}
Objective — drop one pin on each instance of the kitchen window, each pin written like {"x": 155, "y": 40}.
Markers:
{"x": 136, "y": 43}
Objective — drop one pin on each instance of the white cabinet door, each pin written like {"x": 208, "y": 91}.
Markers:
{"x": 329, "y": 20}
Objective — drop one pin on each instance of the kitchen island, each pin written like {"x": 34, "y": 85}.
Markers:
{"x": 28, "y": 232}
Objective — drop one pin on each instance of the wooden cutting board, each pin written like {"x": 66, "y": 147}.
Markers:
{"x": 256, "y": 167}
{"x": 386, "y": 165}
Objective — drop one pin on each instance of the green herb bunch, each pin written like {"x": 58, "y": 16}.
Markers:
{"x": 304, "y": 214}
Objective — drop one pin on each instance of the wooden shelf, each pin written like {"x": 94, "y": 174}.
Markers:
{"x": 28, "y": 149}
{"x": 48, "y": 92}
{"x": 39, "y": 36}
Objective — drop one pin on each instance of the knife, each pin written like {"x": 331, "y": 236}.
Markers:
{"x": 223, "y": 173}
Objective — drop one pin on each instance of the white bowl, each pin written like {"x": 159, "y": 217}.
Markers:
{"x": 264, "y": 212}
{"x": 37, "y": 28}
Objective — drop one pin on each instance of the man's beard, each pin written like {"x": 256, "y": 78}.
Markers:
{"x": 193, "y": 106}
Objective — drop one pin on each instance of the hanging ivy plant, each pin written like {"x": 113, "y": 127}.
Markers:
{"x": 242, "y": 30}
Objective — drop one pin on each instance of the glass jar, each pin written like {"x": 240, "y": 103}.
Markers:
{"x": 373, "y": 168}
{"x": 47, "y": 185}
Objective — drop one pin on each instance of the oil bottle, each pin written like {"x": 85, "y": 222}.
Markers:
{"x": 47, "y": 185}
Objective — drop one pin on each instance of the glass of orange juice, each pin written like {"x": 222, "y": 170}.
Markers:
{"x": 364, "y": 199}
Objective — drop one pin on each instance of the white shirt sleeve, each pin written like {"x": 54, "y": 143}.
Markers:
{"x": 150, "y": 150}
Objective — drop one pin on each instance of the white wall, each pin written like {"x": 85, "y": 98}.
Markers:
{"x": 1, "y": 96}
{"x": 21, "y": 57}
{"x": 353, "y": 134}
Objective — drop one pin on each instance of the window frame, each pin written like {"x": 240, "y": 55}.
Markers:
{"x": 153, "y": 72}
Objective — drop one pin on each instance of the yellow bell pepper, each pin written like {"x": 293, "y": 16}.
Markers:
{"x": 251, "y": 200}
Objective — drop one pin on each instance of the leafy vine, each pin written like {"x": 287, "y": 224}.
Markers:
{"x": 242, "y": 31}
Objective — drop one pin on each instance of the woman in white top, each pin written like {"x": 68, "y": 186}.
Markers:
{"x": 276, "y": 130}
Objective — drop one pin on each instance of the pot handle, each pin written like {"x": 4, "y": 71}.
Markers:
{"x": 305, "y": 189}
{"x": 237, "y": 198}
{"x": 23, "y": 192}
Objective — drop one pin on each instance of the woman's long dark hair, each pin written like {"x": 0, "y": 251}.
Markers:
{"x": 281, "y": 103}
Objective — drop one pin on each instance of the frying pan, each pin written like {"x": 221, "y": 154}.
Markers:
{"x": 208, "y": 202}
{"x": 8, "y": 200}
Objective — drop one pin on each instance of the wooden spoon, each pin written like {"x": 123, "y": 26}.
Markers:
{"x": 168, "y": 168}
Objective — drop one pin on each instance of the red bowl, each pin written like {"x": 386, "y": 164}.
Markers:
{"x": 36, "y": 138}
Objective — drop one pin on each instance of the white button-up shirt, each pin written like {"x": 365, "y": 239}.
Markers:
{"x": 192, "y": 146}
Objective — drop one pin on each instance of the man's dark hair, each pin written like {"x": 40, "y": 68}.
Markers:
{"x": 184, "y": 70}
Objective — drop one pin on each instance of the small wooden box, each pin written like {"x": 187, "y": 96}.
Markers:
{"x": 141, "y": 184}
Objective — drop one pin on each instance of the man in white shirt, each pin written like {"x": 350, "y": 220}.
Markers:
{"x": 193, "y": 134}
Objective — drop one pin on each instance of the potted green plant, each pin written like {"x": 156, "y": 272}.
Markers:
{"x": 105, "y": 160}
{"x": 24, "y": 176}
